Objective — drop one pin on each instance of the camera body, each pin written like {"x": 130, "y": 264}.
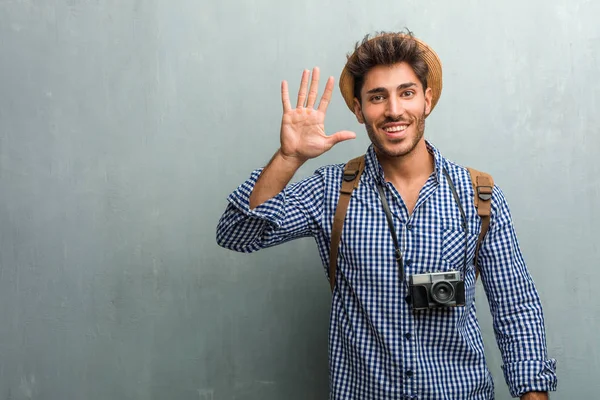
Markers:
{"x": 438, "y": 289}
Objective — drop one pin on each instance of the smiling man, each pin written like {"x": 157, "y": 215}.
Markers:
{"x": 403, "y": 267}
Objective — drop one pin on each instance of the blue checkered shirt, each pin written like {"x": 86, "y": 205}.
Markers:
{"x": 379, "y": 348}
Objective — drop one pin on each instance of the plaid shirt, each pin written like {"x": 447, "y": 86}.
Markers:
{"x": 379, "y": 348}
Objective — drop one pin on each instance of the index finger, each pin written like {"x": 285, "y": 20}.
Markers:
{"x": 326, "y": 98}
{"x": 285, "y": 97}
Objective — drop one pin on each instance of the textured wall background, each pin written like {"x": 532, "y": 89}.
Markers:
{"x": 125, "y": 124}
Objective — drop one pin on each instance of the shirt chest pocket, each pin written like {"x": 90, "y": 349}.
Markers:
{"x": 456, "y": 243}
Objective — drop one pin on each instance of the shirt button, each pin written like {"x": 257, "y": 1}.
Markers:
{"x": 408, "y": 263}
{"x": 410, "y": 227}
{"x": 407, "y": 336}
{"x": 409, "y": 373}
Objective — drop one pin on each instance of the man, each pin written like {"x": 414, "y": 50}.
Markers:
{"x": 381, "y": 344}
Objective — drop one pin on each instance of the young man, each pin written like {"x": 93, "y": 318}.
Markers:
{"x": 383, "y": 343}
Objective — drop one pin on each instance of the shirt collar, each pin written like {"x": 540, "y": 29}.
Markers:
{"x": 374, "y": 169}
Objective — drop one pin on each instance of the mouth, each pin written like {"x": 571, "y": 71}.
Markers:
{"x": 395, "y": 130}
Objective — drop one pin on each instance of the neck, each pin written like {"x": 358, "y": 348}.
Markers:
{"x": 407, "y": 168}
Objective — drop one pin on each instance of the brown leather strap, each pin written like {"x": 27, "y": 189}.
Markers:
{"x": 352, "y": 172}
{"x": 483, "y": 185}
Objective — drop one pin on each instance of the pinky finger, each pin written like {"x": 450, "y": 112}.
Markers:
{"x": 285, "y": 97}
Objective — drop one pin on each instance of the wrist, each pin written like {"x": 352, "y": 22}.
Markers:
{"x": 535, "y": 396}
{"x": 289, "y": 162}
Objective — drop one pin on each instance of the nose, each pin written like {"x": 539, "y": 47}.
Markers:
{"x": 394, "y": 108}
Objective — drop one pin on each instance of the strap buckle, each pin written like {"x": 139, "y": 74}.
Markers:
{"x": 349, "y": 176}
{"x": 484, "y": 192}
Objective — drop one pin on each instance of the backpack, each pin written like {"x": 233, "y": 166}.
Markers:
{"x": 483, "y": 185}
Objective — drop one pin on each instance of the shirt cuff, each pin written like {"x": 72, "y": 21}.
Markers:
{"x": 272, "y": 210}
{"x": 530, "y": 376}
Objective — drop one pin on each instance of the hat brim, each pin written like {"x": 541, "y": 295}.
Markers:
{"x": 434, "y": 76}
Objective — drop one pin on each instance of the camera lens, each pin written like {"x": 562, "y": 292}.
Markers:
{"x": 442, "y": 292}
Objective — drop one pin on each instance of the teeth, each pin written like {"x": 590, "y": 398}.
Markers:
{"x": 396, "y": 128}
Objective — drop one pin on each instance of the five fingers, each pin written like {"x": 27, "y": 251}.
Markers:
{"x": 307, "y": 98}
{"x": 310, "y": 97}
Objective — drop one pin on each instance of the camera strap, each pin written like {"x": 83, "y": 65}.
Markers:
{"x": 388, "y": 215}
{"x": 462, "y": 214}
{"x": 482, "y": 187}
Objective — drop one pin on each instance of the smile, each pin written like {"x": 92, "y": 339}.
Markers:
{"x": 397, "y": 128}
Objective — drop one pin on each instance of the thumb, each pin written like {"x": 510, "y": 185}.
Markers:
{"x": 340, "y": 137}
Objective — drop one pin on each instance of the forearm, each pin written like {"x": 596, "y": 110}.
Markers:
{"x": 274, "y": 177}
{"x": 535, "y": 396}
{"x": 291, "y": 212}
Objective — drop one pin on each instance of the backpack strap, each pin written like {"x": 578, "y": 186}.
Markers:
{"x": 352, "y": 172}
{"x": 483, "y": 185}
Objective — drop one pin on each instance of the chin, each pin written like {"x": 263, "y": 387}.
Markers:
{"x": 400, "y": 149}
{"x": 393, "y": 151}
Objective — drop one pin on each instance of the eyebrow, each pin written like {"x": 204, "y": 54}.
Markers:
{"x": 383, "y": 90}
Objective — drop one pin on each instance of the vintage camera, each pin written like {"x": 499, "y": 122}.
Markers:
{"x": 440, "y": 289}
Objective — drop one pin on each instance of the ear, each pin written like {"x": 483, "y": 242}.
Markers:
{"x": 358, "y": 111}
{"x": 428, "y": 97}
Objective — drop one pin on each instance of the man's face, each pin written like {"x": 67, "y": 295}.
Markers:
{"x": 393, "y": 109}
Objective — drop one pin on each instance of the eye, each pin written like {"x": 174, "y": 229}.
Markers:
{"x": 377, "y": 98}
{"x": 408, "y": 93}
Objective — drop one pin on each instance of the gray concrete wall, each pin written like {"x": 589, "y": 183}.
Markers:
{"x": 125, "y": 124}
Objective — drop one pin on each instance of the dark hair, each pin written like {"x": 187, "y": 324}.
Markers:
{"x": 386, "y": 48}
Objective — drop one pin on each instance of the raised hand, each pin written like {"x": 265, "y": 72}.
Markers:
{"x": 303, "y": 128}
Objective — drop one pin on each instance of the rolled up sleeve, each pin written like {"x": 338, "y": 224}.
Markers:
{"x": 295, "y": 212}
{"x": 530, "y": 376}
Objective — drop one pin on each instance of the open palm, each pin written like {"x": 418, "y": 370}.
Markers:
{"x": 303, "y": 128}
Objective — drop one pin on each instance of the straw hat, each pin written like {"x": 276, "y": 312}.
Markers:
{"x": 434, "y": 76}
